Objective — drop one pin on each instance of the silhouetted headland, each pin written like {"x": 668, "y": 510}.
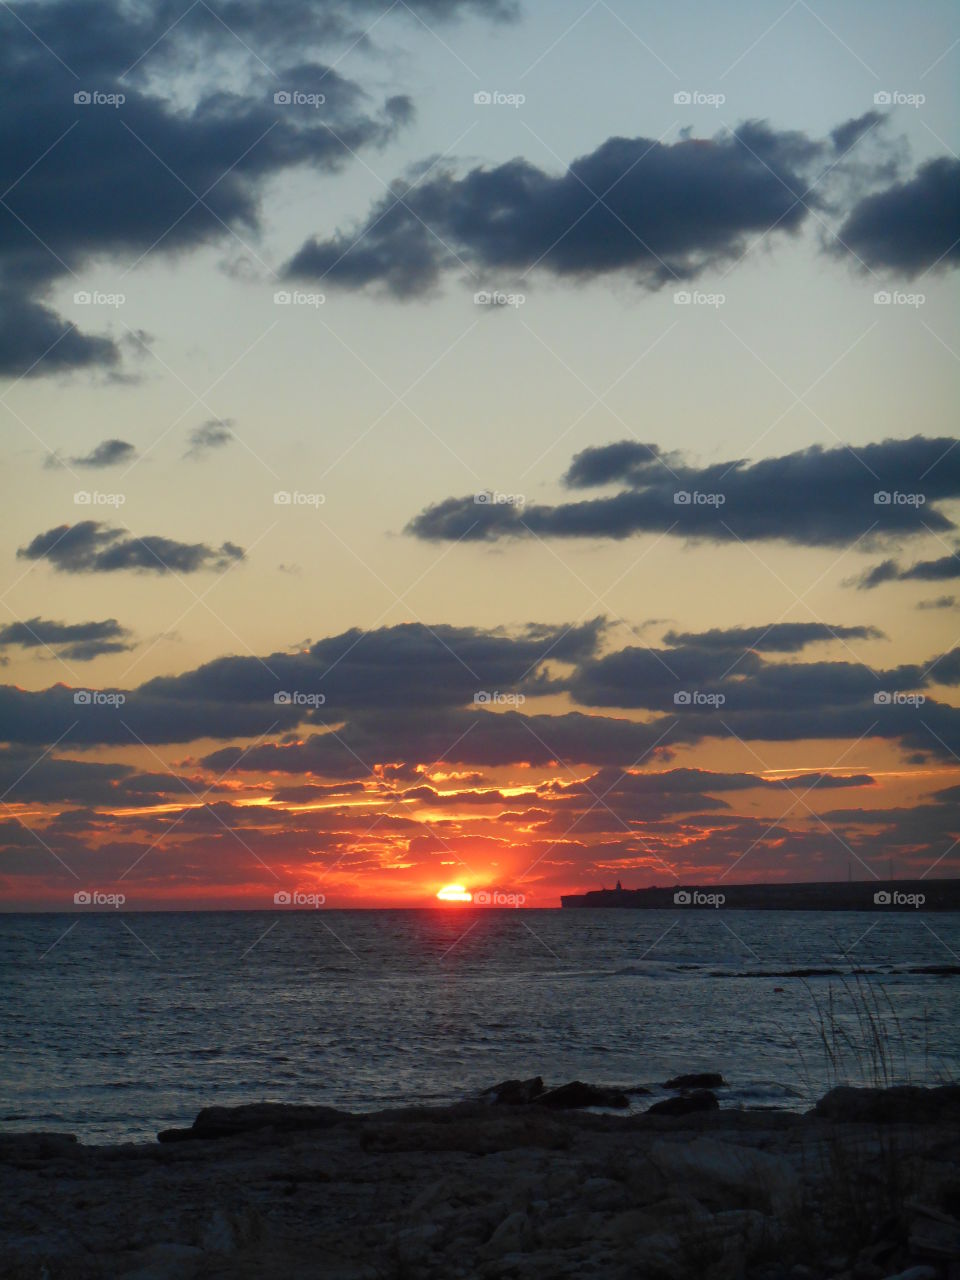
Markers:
{"x": 844, "y": 895}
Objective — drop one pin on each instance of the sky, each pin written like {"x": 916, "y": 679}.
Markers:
{"x": 474, "y": 442}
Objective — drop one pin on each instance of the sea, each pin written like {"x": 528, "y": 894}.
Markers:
{"x": 116, "y": 1024}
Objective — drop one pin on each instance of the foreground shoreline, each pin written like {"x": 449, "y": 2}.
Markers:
{"x": 864, "y": 1186}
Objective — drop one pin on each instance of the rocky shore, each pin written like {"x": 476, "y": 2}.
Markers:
{"x": 522, "y": 1182}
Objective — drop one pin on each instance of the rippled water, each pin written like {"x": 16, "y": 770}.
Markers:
{"x": 132, "y": 1022}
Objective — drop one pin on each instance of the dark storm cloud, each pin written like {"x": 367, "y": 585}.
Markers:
{"x": 660, "y": 212}
{"x": 92, "y": 547}
{"x": 181, "y": 162}
{"x": 912, "y": 226}
{"x": 939, "y": 570}
{"x": 813, "y": 497}
{"x": 939, "y": 602}
{"x": 109, "y": 453}
{"x": 209, "y": 436}
{"x": 78, "y": 641}
{"x": 777, "y": 637}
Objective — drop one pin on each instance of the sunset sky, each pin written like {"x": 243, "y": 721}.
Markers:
{"x": 458, "y": 442}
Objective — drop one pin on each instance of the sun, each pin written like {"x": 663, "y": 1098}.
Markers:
{"x": 454, "y": 893}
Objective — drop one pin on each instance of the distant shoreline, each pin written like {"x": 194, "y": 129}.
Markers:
{"x": 848, "y": 895}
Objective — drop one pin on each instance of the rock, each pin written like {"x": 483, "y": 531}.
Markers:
{"x": 578, "y": 1094}
{"x": 698, "y": 1100}
{"x": 710, "y": 1171}
{"x": 226, "y": 1122}
{"x": 166, "y": 1261}
{"x": 514, "y": 1234}
{"x": 905, "y": 1104}
{"x": 697, "y": 1080}
{"x": 17, "y": 1147}
{"x": 514, "y": 1092}
{"x": 915, "y": 1273}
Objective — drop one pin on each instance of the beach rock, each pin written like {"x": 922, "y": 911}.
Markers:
{"x": 710, "y": 1171}
{"x": 697, "y": 1080}
{"x": 578, "y": 1094}
{"x": 514, "y": 1092}
{"x": 686, "y": 1104}
{"x": 514, "y": 1234}
{"x": 905, "y": 1104}
{"x": 227, "y": 1122}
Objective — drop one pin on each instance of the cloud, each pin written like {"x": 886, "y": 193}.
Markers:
{"x": 939, "y": 570}
{"x": 911, "y": 227}
{"x": 109, "y": 453}
{"x": 91, "y": 547}
{"x": 940, "y": 602}
{"x": 776, "y": 637}
{"x": 660, "y": 212}
{"x": 186, "y": 155}
{"x": 210, "y": 435}
{"x": 78, "y": 641}
{"x": 813, "y": 497}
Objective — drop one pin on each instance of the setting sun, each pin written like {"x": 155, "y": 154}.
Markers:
{"x": 454, "y": 893}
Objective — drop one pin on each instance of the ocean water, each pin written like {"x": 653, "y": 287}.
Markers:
{"x": 116, "y": 1024}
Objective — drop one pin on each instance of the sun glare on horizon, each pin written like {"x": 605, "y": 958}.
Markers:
{"x": 454, "y": 893}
